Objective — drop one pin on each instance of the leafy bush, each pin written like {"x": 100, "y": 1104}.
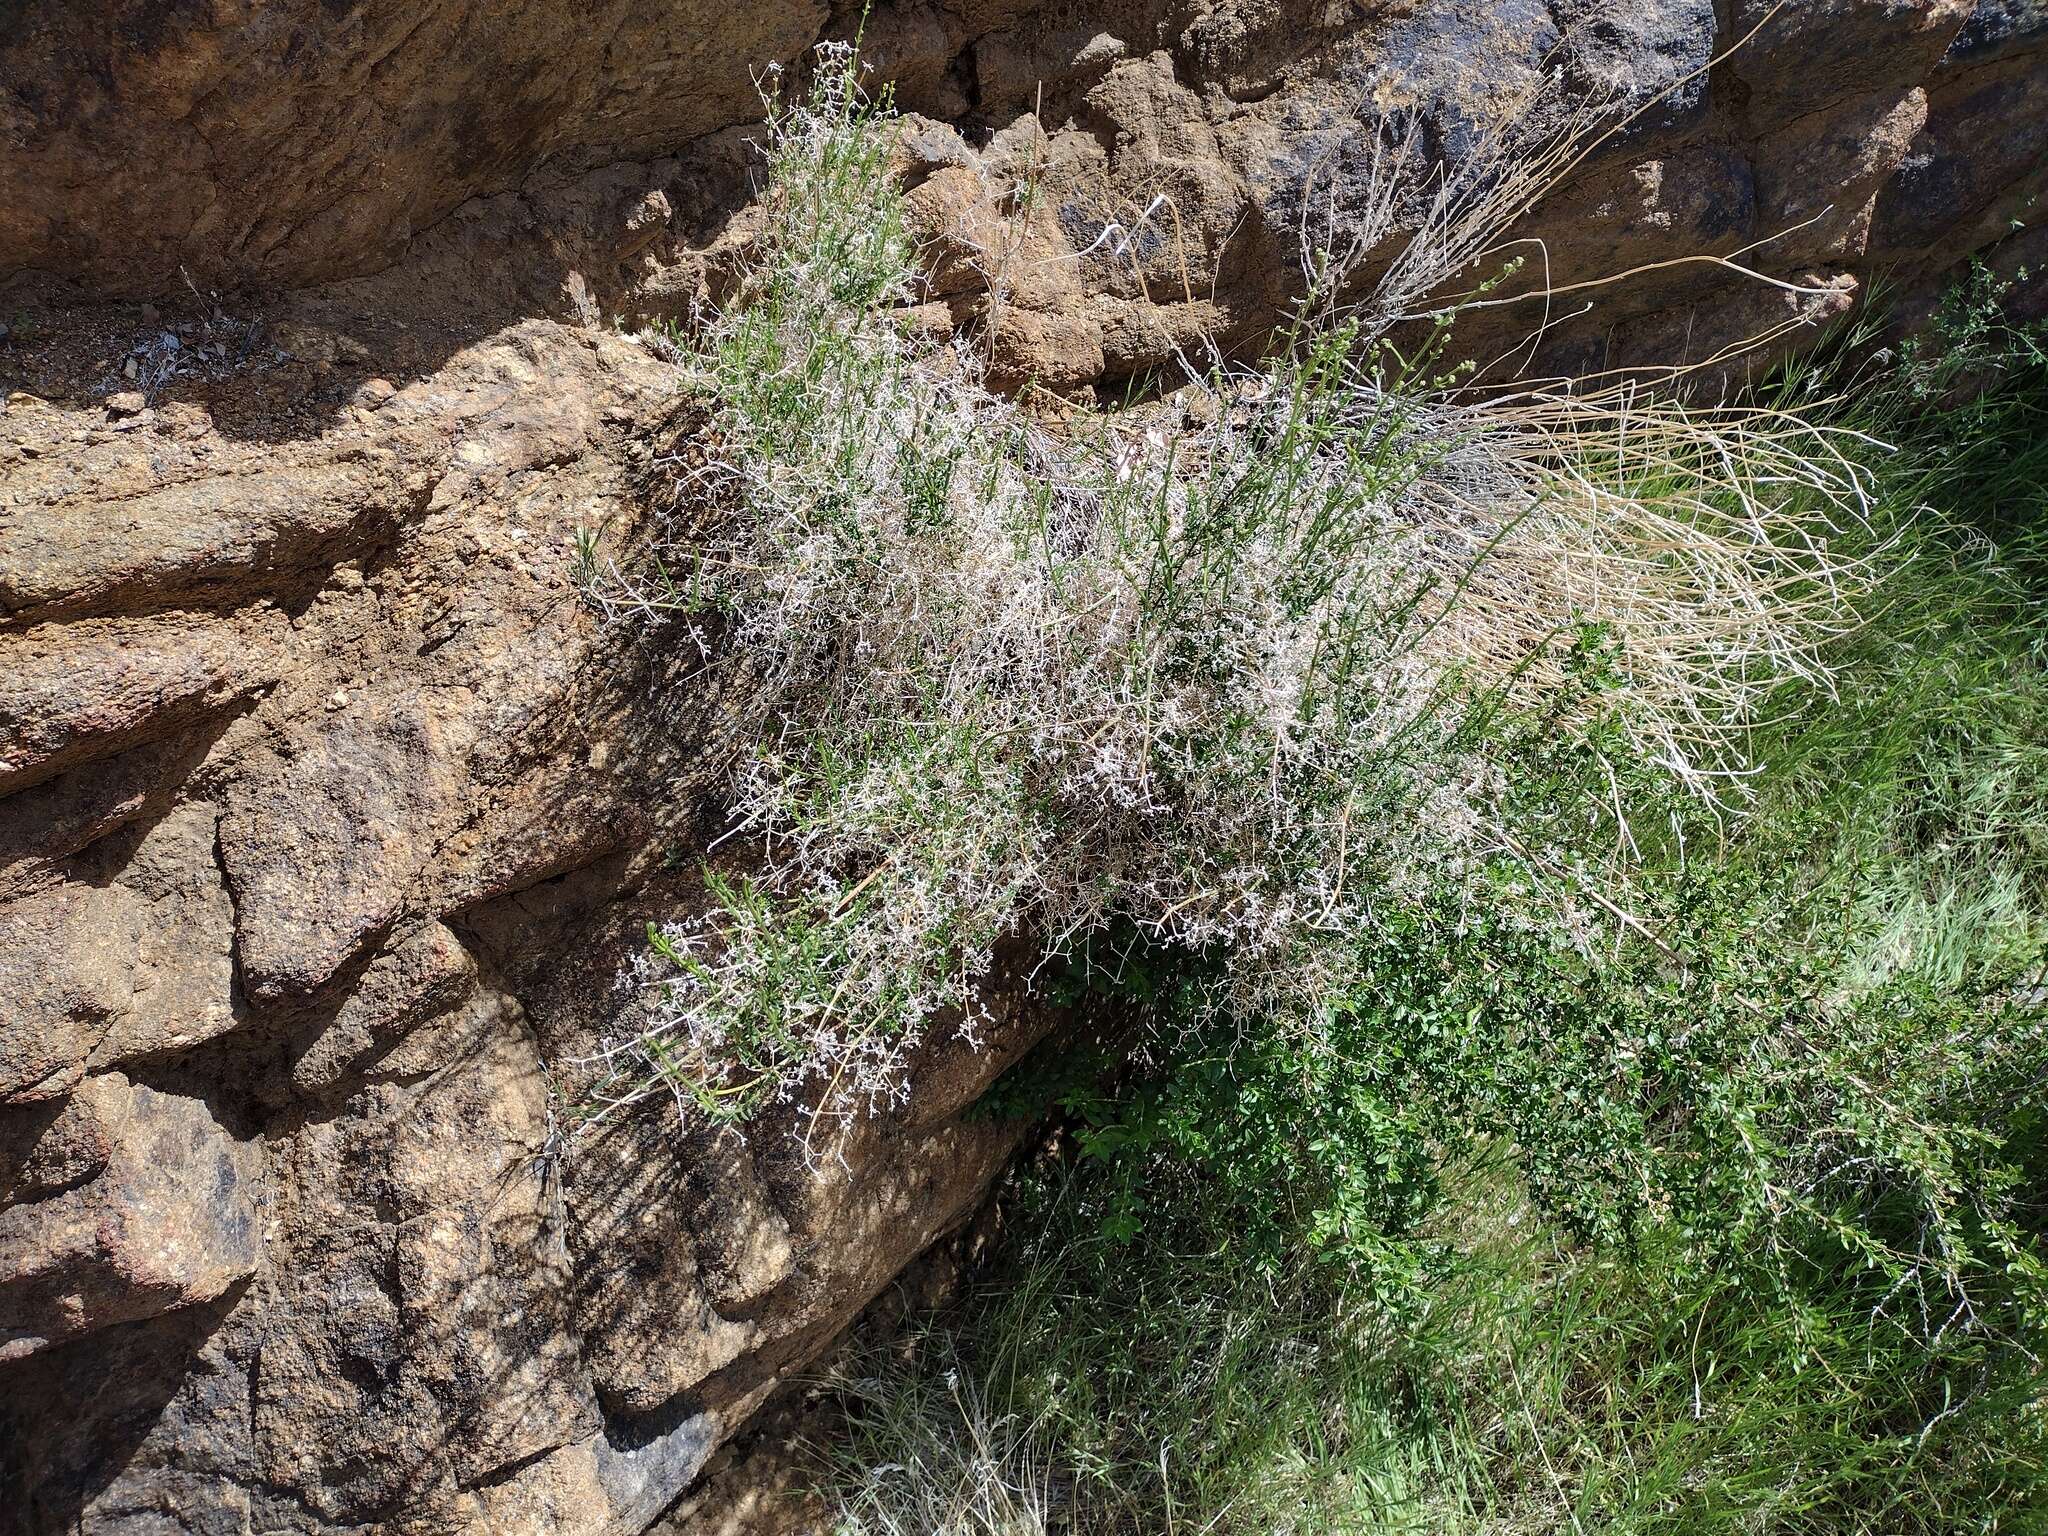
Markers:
{"x": 1558, "y": 875}
{"x": 1231, "y": 673}
{"x": 1121, "y": 1387}
{"x": 1744, "y": 1240}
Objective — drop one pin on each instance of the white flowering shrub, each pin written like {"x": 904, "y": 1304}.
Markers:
{"x": 1215, "y": 671}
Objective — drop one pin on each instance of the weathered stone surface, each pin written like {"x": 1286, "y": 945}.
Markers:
{"x": 420, "y": 978}
{"x": 294, "y": 140}
{"x": 600, "y": 1485}
{"x": 1979, "y": 164}
{"x": 321, "y": 850}
{"x": 1997, "y": 28}
{"x": 168, "y": 1222}
{"x": 1648, "y": 57}
{"x": 1019, "y": 65}
{"x": 1709, "y": 340}
{"x": 434, "y": 1307}
{"x": 141, "y": 1427}
{"x": 67, "y": 969}
{"x": 41, "y": 826}
{"x": 130, "y": 958}
{"x": 52, "y": 1146}
{"x": 1184, "y": 152}
{"x": 1699, "y": 200}
{"x": 960, "y": 233}
{"x": 1810, "y": 55}
{"x": 408, "y": 1345}
{"x": 73, "y": 692}
{"x": 183, "y": 968}
{"x": 694, "y": 1246}
{"x": 198, "y": 542}
{"x": 1817, "y": 184}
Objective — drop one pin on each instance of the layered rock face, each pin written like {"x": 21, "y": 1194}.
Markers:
{"x": 1175, "y": 155}
{"x": 332, "y": 816}
{"x": 329, "y": 814}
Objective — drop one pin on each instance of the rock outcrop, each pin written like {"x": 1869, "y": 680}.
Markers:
{"x": 329, "y": 814}
{"x": 1171, "y": 156}
{"x": 334, "y": 815}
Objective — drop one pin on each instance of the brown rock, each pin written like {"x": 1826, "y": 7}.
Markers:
{"x": 168, "y": 1222}
{"x": 186, "y": 419}
{"x": 1979, "y": 164}
{"x": 1699, "y": 200}
{"x": 689, "y": 1257}
{"x": 424, "y": 1289}
{"x": 1727, "y": 338}
{"x": 67, "y": 971}
{"x": 1052, "y": 352}
{"x": 41, "y": 825}
{"x": 1803, "y": 56}
{"x": 1016, "y": 62}
{"x": 960, "y": 235}
{"x": 72, "y": 693}
{"x": 598, "y": 1486}
{"x": 923, "y": 146}
{"x": 1136, "y": 337}
{"x": 55, "y": 1145}
{"x": 424, "y": 975}
{"x": 184, "y": 964}
{"x": 288, "y": 141}
{"x": 321, "y": 850}
{"x": 206, "y": 539}
{"x": 1818, "y": 179}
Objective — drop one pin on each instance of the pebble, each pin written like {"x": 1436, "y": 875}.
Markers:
{"x": 374, "y": 392}
{"x": 128, "y": 402}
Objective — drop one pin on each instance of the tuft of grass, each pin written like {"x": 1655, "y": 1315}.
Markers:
{"x": 1169, "y": 1332}
{"x": 1223, "y": 673}
{"x": 1535, "y": 1389}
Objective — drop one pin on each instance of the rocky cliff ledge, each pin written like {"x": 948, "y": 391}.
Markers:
{"x": 328, "y": 813}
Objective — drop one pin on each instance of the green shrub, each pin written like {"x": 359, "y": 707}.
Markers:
{"x": 1232, "y": 672}
{"x": 1557, "y": 873}
{"x": 1734, "y": 1225}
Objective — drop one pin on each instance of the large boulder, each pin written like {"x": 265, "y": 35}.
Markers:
{"x": 351, "y": 853}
